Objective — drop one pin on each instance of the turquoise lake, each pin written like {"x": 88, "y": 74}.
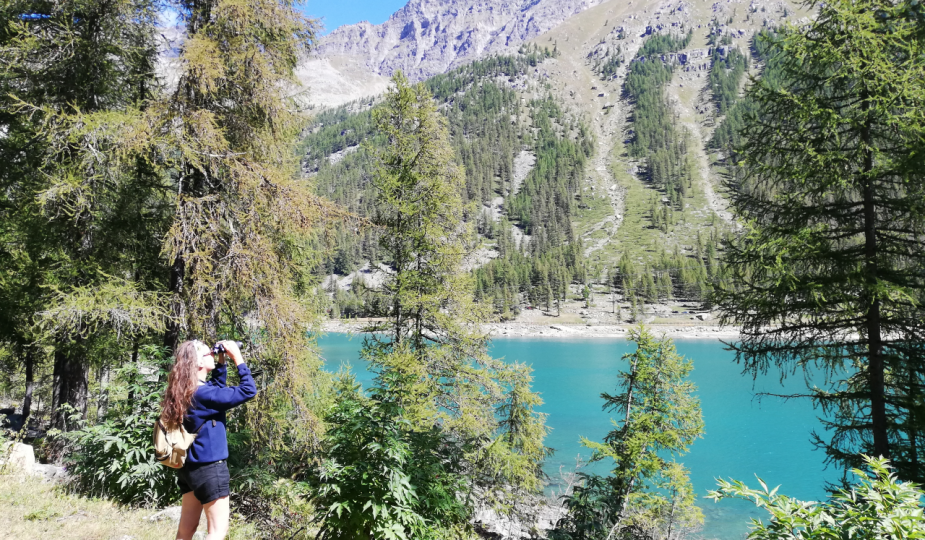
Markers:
{"x": 744, "y": 436}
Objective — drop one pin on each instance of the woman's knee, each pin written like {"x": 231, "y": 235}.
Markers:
{"x": 186, "y": 530}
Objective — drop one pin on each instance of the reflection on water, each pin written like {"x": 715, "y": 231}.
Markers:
{"x": 744, "y": 437}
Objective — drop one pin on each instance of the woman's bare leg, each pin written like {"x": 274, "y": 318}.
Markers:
{"x": 217, "y": 514}
{"x": 189, "y": 517}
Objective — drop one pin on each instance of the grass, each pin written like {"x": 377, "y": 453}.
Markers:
{"x": 597, "y": 208}
{"x": 33, "y": 508}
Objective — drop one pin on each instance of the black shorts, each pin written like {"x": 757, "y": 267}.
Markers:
{"x": 207, "y": 481}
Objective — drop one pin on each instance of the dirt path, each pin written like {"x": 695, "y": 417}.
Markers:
{"x": 600, "y": 176}
{"x": 607, "y": 124}
{"x": 599, "y": 104}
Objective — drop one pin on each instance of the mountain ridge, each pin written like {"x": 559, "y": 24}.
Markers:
{"x": 427, "y": 37}
{"x": 422, "y": 39}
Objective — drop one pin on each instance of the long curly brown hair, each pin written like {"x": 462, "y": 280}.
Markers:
{"x": 181, "y": 385}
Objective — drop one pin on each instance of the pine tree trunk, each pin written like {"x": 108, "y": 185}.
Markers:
{"x": 875, "y": 365}
{"x": 172, "y": 334}
{"x": 913, "y": 434}
{"x": 102, "y": 400}
{"x": 30, "y": 384}
{"x": 134, "y": 379}
{"x": 70, "y": 383}
{"x": 626, "y": 426}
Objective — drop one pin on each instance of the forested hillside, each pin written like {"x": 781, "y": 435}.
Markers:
{"x": 523, "y": 161}
{"x": 527, "y": 156}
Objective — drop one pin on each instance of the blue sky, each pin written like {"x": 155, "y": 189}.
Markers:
{"x": 340, "y": 12}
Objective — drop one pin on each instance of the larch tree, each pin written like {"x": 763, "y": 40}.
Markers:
{"x": 429, "y": 334}
{"x": 240, "y": 246}
{"x": 647, "y": 494}
{"x": 828, "y": 270}
{"x": 428, "y": 350}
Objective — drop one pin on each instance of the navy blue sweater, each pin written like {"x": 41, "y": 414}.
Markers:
{"x": 210, "y": 402}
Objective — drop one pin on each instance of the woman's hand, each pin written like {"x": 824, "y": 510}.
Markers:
{"x": 231, "y": 349}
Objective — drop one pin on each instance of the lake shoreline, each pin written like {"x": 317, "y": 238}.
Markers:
{"x": 570, "y": 331}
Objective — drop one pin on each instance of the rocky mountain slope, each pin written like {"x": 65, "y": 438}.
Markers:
{"x": 626, "y": 215}
{"x": 428, "y": 37}
{"x": 425, "y": 38}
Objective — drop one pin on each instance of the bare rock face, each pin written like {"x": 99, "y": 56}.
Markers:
{"x": 427, "y": 37}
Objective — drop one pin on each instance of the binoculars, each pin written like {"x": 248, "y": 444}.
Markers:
{"x": 218, "y": 348}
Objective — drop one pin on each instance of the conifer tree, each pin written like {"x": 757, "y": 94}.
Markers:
{"x": 429, "y": 353}
{"x": 647, "y": 490}
{"x": 239, "y": 247}
{"x": 429, "y": 309}
{"x": 827, "y": 271}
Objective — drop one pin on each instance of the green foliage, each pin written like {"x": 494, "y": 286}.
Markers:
{"x": 671, "y": 275}
{"x": 442, "y": 405}
{"x": 830, "y": 191}
{"x": 607, "y": 60}
{"x": 243, "y": 232}
{"x": 727, "y": 135}
{"x": 725, "y": 77}
{"x": 81, "y": 219}
{"x": 661, "y": 416}
{"x": 381, "y": 479}
{"x": 665, "y": 43}
{"x": 488, "y": 127}
{"x": 419, "y": 207}
{"x": 115, "y": 458}
{"x": 590, "y": 510}
{"x": 554, "y": 179}
{"x": 544, "y": 206}
{"x": 877, "y": 507}
{"x": 429, "y": 347}
{"x": 513, "y": 460}
{"x": 132, "y": 213}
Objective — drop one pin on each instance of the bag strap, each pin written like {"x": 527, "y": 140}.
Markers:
{"x": 164, "y": 429}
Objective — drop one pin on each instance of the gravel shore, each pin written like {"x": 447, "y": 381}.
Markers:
{"x": 573, "y": 331}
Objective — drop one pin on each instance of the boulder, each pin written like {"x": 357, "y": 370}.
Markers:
{"x": 18, "y": 457}
{"x": 540, "y": 516}
{"x": 49, "y": 472}
{"x": 704, "y": 316}
{"x": 171, "y": 513}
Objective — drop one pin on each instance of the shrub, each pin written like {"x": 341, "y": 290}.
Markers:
{"x": 115, "y": 458}
{"x": 878, "y": 507}
{"x": 381, "y": 480}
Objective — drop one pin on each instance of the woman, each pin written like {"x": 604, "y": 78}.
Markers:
{"x": 200, "y": 406}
